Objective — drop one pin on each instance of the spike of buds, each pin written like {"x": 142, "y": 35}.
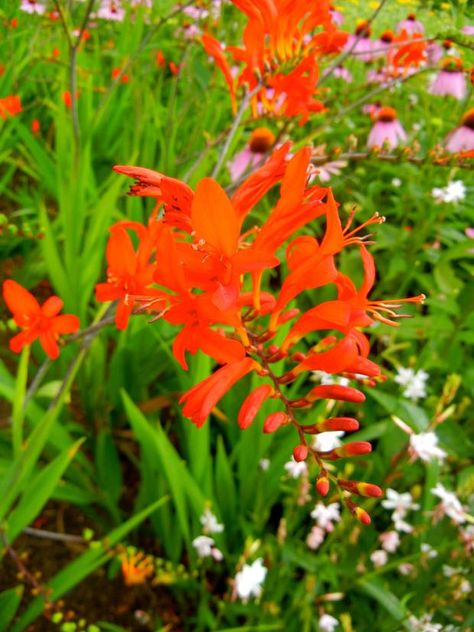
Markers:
{"x": 336, "y": 391}
{"x": 356, "y": 448}
{"x": 360, "y": 488}
{"x": 252, "y": 403}
{"x": 322, "y": 484}
{"x": 346, "y": 424}
{"x": 300, "y": 452}
{"x": 274, "y": 421}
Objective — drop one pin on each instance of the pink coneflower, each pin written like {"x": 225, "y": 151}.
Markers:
{"x": 32, "y": 6}
{"x": 462, "y": 138}
{"x": 387, "y": 130}
{"x": 450, "y": 80}
{"x": 411, "y": 25}
{"x": 111, "y": 10}
{"x": 336, "y": 16}
{"x": 341, "y": 73}
{"x": 383, "y": 43}
{"x": 360, "y": 44}
{"x": 261, "y": 140}
{"x": 468, "y": 29}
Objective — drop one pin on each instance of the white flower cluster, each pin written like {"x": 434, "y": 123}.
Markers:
{"x": 325, "y": 517}
{"x": 425, "y": 447}
{"x": 401, "y": 505}
{"x": 413, "y": 381}
{"x": 450, "y": 505}
{"x": 204, "y": 544}
{"x": 454, "y": 192}
{"x": 248, "y": 581}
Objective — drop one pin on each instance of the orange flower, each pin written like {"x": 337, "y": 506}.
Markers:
{"x": 136, "y": 567}
{"x": 279, "y": 53}
{"x": 10, "y": 106}
{"x": 35, "y": 126}
{"x": 129, "y": 273}
{"x": 117, "y": 74}
{"x": 202, "y": 398}
{"x": 37, "y": 321}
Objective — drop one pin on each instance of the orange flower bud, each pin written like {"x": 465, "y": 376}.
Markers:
{"x": 252, "y": 404}
{"x": 274, "y": 421}
{"x": 300, "y": 452}
{"x": 360, "y": 488}
{"x": 346, "y": 424}
{"x": 322, "y": 484}
{"x": 335, "y": 391}
{"x": 361, "y": 515}
{"x": 356, "y": 448}
{"x": 35, "y": 126}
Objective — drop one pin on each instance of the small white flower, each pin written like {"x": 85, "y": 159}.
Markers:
{"x": 450, "y": 504}
{"x": 449, "y": 571}
{"x": 209, "y": 522}
{"x": 296, "y": 469}
{"x": 405, "y": 568}
{"x": 424, "y": 624}
{"x": 204, "y": 546}
{"x": 416, "y": 127}
{"x": 327, "y": 623}
{"x": 325, "y": 515}
{"x": 428, "y": 550}
{"x": 396, "y": 182}
{"x": 425, "y": 447}
{"x": 390, "y": 541}
{"x": 400, "y": 503}
{"x": 413, "y": 381}
{"x": 379, "y": 558}
{"x": 315, "y": 538}
{"x": 325, "y": 441}
{"x": 264, "y": 464}
{"x": 453, "y": 192}
{"x": 401, "y": 525}
{"x": 329, "y": 378}
{"x": 248, "y": 581}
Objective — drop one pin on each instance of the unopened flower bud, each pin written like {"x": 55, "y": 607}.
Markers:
{"x": 322, "y": 484}
{"x": 274, "y": 421}
{"x": 360, "y": 488}
{"x": 356, "y": 448}
{"x": 300, "y": 452}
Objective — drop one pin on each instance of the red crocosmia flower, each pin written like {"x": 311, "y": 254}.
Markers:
{"x": 202, "y": 398}
{"x": 199, "y": 267}
{"x": 10, "y": 106}
{"x": 160, "y": 59}
{"x": 2, "y": 70}
{"x": 410, "y": 53}
{"x": 281, "y": 44}
{"x": 128, "y": 275}
{"x": 214, "y": 49}
{"x": 117, "y": 74}
{"x": 174, "y": 68}
{"x": 67, "y": 98}
{"x": 35, "y": 126}
{"x": 37, "y": 321}
{"x": 176, "y": 196}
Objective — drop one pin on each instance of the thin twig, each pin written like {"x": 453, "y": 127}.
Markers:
{"x": 52, "y": 535}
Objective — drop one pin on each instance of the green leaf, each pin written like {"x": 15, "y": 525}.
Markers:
{"x": 38, "y": 492}
{"x": 9, "y": 603}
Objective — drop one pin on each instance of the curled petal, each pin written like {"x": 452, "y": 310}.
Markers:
{"x": 252, "y": 404}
